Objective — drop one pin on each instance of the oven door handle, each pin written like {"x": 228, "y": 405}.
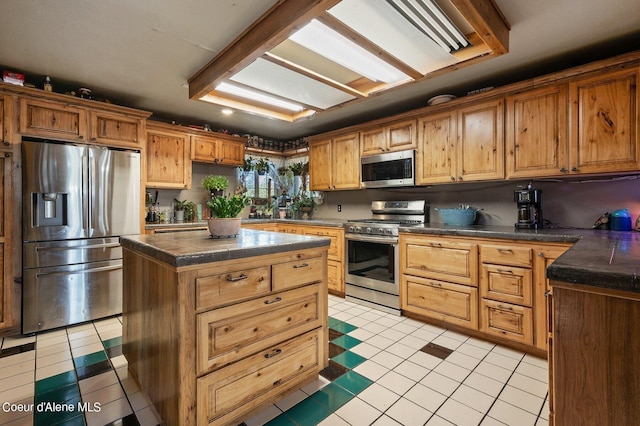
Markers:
{"x": 372, "y": 239}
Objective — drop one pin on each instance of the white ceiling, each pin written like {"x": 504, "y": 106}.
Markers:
{"x": 141, "y": 52}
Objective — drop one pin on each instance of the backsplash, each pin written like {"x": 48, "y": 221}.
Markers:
{"x": 566, "y": 204}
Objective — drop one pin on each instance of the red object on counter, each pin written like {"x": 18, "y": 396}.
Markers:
{"x": 13, "y": 78}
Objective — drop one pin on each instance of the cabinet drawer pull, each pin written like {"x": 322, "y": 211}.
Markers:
{"x": 501, "y": 250}
{"x": 276, "y": 300}
{"x": 302, "y": 265}
{"x": 505, "y": 271}
{"x": 506, "y": 308}
{"x": 434, "y": 284}
{"x": 435, "y": 244}
{"x": 238, "y": 278}
{"x": 273, "y": 353}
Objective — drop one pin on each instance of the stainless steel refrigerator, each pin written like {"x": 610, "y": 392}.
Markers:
{"x": 77, "y": 200}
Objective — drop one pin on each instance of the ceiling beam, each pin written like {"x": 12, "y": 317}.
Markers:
{"x": 273, "y": 27}
{"x": 487, "y": 21}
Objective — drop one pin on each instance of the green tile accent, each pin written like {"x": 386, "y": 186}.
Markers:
{"x": 346, "y": 341}
{"x": 55, "y": 382}
{"x": 344, "y": 327}
{"x": 349, "y": 359}
{"x": 59, "y": 395}
{"x": 110, "y": 343}
{"x": 353, "y": 382}
{"x": 331, "y": 396}
{"x": 93, "y": 358}
{"x": 308, "y": 413}
{"x": 333, "y": 322}
{"x": 281, "y": 420}
{"x": 49, "y": 418}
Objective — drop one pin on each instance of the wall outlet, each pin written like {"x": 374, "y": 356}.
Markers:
{"x": 339, "y": 207}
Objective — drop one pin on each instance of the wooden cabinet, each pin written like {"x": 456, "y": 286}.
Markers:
{"x": 168, "y": 158}
{"x": 214, "y": 342}
{"x": 53, "y": 120}
{"x": 335, "y": 255}
{"x": 465, "y": 144}
{"x": 537, "y": 132}
{"x": 594, "y": 375}
{"x": 390, "y": 137}
{"x": 495, "y": 286}
{"x": 335, "y": 163}
{"x": 66, "y": 121}
{"x": 604, "y": 122}
{"x": 506, "y": 291}
{"x": 217, "y": 149}
{"x": 116, "y": 130}
{"x": 439, "y": 277}
{"x": 8, "y": 321}
{"x": 436, "y": 154}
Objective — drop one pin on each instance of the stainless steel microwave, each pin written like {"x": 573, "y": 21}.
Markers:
{"x": 388, "y": 170}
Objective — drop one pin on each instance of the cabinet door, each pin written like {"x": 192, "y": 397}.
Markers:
{"x": 337, "y": 240}
{"x": 168, "y": 160}
{"x": 116, "y": 130}
{"x": 52, "y": 120}
{"x": 506, "y": 320}
{"x": 335, "y": 277}
{"x": 536, "y": 132}
{"x": 373, "y": 141}
{"x": 3, "y": 136}
{"x": 320, "y": 165}
{"x": 231, "y": 153}
{"x": 345, "y": 159}
{"x": 204, "y": 149}
{"x": 435, "y": 160}
{"x": 480, "y": 151}
{"x": 6, "y": 276}
{"x": 401, "y": 136}
{"x": 604, "y": 123}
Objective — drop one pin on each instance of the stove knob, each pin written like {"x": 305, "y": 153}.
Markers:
{"x": 350, "y": 229}
{"x": 368, "y": 230}
{"x": 381, "y": 231}
{"x": 357, "y": 229}
{"x": 388, "y": 231}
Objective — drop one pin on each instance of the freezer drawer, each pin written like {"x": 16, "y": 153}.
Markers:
{"x": 63, "y": 295}
{"x": 44, "y": 254}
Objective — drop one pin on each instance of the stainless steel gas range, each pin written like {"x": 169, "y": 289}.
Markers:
{"x": 372, "y": 268}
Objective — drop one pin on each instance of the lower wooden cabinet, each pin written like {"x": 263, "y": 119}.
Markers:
{"x": 210, "y": 343}
{"x": 493, "y": 286}
{"x": 453, "y": 303}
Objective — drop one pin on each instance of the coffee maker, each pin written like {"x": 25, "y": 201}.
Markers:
{"x": 529, "y": 203}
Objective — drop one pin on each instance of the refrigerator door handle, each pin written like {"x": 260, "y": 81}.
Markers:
{"x": 84, "y": 271}
{"x": 86, "y": 184}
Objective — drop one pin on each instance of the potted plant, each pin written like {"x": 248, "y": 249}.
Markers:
{"x": 180, "y": 207}
{"x": 248, "y": 164}
{"x": 215, "y": 184}
{"x": 282, "y": 171}
{"x": 304, "y": 204}
{"x": 262, "y": 165}
{"x": 224, "y": 220}
{"x": 297, "y": 168}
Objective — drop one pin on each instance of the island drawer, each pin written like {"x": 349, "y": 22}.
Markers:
{"x": 453, "y": 303}
{"x": 297, "y": 273}
{"x": 506, "y": 255}
{"x": 232, "y": 286}
{"x": 232, "y": 332}
{"x": 507, "y": 283}
{"x": 240, "y": 387}
{"x": 506, "y": 320}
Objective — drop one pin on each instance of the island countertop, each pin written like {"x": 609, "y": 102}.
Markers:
{"x": 198, "y": 247}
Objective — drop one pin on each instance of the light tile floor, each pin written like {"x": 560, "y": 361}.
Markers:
{"x": 379, "y": 375}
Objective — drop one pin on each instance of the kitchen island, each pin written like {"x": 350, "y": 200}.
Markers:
{"x": 215, "y": 329}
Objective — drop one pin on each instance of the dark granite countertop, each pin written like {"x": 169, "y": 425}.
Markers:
{"x": 586, "y": 262}
{"x": 337, "y": 223}
{"x": 198, "y": 247}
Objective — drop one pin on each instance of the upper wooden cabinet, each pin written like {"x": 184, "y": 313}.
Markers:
{"x": 335, "y": 163}
{"x": 168, "y": 158}
{"x": 464, "y": 144}
{"x": 392, "y": 137}
{"x": 218, "y": 150}
{"x": 536, "y": 132}
{"x": 66, "y": 121}
{"x": 604, "y": 123}
{"x": 117, "y": 130}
